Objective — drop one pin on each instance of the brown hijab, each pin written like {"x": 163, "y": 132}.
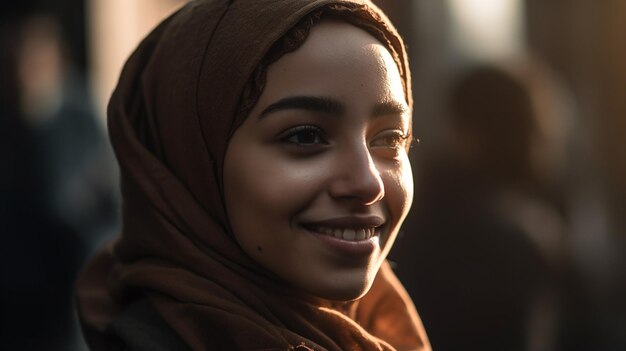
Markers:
{"x": 180, "y": 97}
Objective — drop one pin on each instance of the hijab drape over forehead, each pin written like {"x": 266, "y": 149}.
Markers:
{"x": 176, "y": 105}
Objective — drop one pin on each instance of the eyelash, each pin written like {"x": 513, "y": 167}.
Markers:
{"x": 399, "y": 139}
{"x": 303, "y": 130}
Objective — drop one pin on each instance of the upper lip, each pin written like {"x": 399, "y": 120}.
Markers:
{"x": 353, "y": 222}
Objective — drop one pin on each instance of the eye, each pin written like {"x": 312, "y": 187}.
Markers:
{"x": 305, "y": 135}
{"x": 390, "y": 139}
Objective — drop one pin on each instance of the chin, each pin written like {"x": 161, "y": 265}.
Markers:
{"x": 350, "y": 295}
{"x": 344, "y": 292}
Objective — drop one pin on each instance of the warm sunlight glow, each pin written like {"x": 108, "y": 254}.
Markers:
{"x": 115, "y": 29}
{"x": 487, "y": 28}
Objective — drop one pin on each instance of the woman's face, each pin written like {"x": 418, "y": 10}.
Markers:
{"x": 317, "y": 179}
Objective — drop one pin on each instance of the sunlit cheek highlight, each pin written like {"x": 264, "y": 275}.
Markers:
{"x": 405, "y": 180}
{"x": 399, "y": 184}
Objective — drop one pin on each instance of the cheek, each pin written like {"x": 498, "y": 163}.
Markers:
{"x": 399, "y": 189}
{"x": 270, "y": 187}
{"x": 406, "y": 181}
{"x": 398, "y": 183}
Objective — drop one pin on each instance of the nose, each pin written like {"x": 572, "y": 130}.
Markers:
{"x": 356, "y": 177}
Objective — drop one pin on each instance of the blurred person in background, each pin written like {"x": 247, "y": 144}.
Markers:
{"x": 485, "y": 262}
{"x": 79, "y": 165}
{"x": 57, "y": 197}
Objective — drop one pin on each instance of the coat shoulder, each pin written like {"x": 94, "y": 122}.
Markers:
{"x": 138, "y": 328}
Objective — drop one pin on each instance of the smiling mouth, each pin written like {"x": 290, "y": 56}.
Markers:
{"x": 348, "y": 234}
{"x": 351, "y": 229}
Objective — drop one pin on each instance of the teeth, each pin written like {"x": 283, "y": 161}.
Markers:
{"x": 338, "y": 233}
{"x": 360, "y": 234}
{"x": 349, "y": 234}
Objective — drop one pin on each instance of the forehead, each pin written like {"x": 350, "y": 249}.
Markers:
{"x": 337, "y": 58}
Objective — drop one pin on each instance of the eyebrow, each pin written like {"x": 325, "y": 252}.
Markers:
{"x": 390, "y": 107}
{"x": 330, "y": 106}
{"x": 310, "y": 103}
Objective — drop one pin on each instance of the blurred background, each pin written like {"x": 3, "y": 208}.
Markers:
{"x": 517, "y": 236}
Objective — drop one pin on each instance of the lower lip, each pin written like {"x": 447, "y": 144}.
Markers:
{"x": 354, "y": 248}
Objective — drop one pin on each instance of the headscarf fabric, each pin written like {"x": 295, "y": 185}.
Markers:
{"x": 180, "y": 97}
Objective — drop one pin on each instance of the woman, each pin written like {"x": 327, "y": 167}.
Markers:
{"x": 263, "y": 148}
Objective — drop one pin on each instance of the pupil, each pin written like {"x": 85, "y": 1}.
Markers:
{"x": 307, "y": 137}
